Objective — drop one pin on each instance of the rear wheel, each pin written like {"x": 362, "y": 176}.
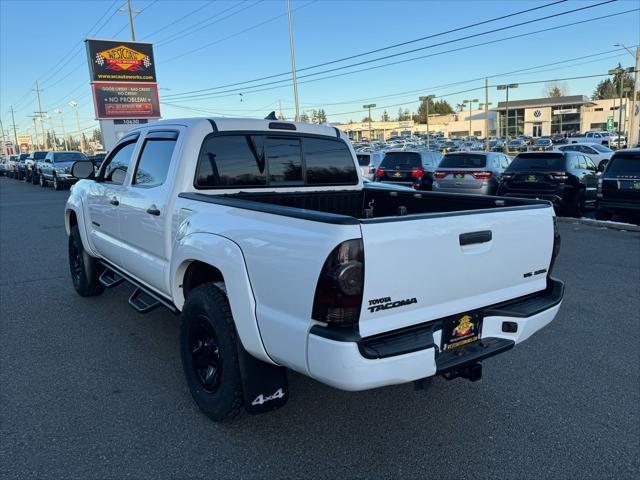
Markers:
{"x": 576, "y": 208}
{"x": 56, "y": 184}
{"x": 85, "y": 269}
{"x": 43, "y": 182}
{"x": 602, "y": 214}
{"x": 210, "y": 353}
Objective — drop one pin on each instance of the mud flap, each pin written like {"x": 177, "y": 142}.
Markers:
{"x": 264, "y": 386}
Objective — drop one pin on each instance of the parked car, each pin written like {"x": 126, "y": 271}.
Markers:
{"x": 599, "y": 154}
{"x": 568, "y": 179}
{"x": 542, "y": 144}
{"x": 496, "y": 145}
{"x": 474, "y": 172}
{"x": 6, "y": 164}
{"x": 412, "y": 168}
{"x": 209, "y": 213}
{"x": 15, "y": 164}
{"x": 515, "y": 146}
{"x": 603, "y": 138}
{"x": 526, "y": 139}
{"x": 558, "y": 139}
{"x": 364, "y": 161}
{"x": 37, "y": 168}
{"x": 29, "y": 165}
{"x": 619, "y": 185}
{"x": 56, "y": 168}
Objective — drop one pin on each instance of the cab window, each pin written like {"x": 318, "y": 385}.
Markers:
{"x": 155, "y": 159}
{"x": 114, "y": 168}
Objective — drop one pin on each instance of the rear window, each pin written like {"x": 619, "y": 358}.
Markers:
{"x": 39, "y": 155}
{"x": 628, "y": 163}
{"x": 537, "y": 161}
{"x": 363, "y": 160}
{"x": 453, "y": 160}
{"x": 230, "y": 161}
{"x": 69, "y": 157}
{"x": 402, "y": 160}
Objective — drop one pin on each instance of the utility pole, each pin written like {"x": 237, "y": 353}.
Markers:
{"x": 4, "y": 145}
{"x": 293, "y": 62}
{"x": 35, "y": 132}
{"x": 15, "y": 134}
{"x": 632, "y": 138}
{"x": 64, "y": 136}
{"x": 426, "y": 100}
{"x": 619, "y": 74}
{"x": 486, "y": 114}
{"x": 40, "y": 112}
{"x": 370, "y": 106}
{"x": 280, "y": 110}
{"x": 131, "y": 13}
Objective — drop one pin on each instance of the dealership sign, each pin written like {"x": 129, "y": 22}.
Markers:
{"x": 126, "y": 100}
{"x": 565, "y": 111}
{"x": 117, "y": 61}
{"x": 24, "y": 140}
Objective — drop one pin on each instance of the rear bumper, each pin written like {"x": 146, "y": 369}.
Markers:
{"x": 555, "y": 198}
{"x": 484, "y": 190}
{"x": 342, "y": 359}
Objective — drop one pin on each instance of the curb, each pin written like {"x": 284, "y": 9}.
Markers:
{"x": 625, "y": 227}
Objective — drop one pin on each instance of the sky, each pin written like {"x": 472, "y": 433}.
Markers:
{"x": 211, "y": 44}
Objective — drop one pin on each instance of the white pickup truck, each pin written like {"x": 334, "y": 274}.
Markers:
{"x": 263, "y": 236}
{"x": 607, "y": 139}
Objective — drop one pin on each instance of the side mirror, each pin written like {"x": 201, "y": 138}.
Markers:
{"x": 83, "y": 170}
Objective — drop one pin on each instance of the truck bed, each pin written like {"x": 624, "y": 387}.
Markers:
{"x": 368, "y": 204}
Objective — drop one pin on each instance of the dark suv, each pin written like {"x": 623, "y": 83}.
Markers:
{"x": 412, "y": 168}
{"x": 619, "y": 185}
{"x": 568, "y": 179}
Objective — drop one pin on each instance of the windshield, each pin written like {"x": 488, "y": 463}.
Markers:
{"x": 537, "y": 161}
{"x": 543, "y": 142}
{"x": 68, "y": 157}
{"x": 457, "y": 160}
{"x": 516, "y": 142}
{"x": 402, "y": 160}
{"x": 23, "y": 156}
{"x": 627, "y": 163}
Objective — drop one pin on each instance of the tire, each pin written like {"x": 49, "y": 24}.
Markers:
{"x": 576, "y": 209}
{"x": 43, "y": 182}
{"x": 602, "y": 214}
{"x": 35, "y": 179}
{"x": 210, "y": 353}
{"x": 56, "y": 184}
{"x": 85, "y": 269}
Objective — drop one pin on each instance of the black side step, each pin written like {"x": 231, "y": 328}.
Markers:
{"x": 138, "y": 304}
{"x": 110, "y": 279}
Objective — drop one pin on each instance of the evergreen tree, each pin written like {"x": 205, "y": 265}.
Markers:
{"x": 385, "y": 116}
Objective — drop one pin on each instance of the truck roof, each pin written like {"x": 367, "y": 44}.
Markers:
{"x": 224, "y": 124}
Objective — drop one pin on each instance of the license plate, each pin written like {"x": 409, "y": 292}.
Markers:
{"x": 532, "y": 178}
{"x": 458, "y": 176}
{"x": 460, "y": 330}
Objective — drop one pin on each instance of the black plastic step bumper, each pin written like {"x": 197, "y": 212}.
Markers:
{"x": 469, "y": 354}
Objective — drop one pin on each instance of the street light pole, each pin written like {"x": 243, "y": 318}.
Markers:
{"x": 475, "y": 100}
{"x": 427, "y": 99}
{"x": 64, "y": 135}
{"x": 369, "y": 107}
{"x": 619, "y": 72}
{"x": 73, "y": 104}
{"x": 506, "y": 87}
{"x": 632, "y": 139}
{"x": 486, "y": 123}
{"x": 293, "y": 62}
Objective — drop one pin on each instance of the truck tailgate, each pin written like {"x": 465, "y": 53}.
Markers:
{"x": 421, "y": 269}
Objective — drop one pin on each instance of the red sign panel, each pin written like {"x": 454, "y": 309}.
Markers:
{"x": 126, "y": 100}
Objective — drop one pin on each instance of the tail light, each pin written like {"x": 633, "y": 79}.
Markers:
{"x": 559, "y": 175}
{"x": 482, "y": 175}
{"x": 379, "y": 172}
{"x": 439, "y": 175}
{"x": 417, "y": 173}
{"x": 338, "y": 295}
{"x": 599, "y": 192}
{"x": 556, "y": 245}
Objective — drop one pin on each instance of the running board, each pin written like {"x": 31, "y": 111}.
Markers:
{"x": 139, "y": 304}
{"x": 110, "y": 279}
{"x": 113, "y": 276}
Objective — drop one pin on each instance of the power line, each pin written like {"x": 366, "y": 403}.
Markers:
{"x": 190, "y": 30}
{"x": 253, "y": 89}
{"x": 174, "y": 22}
{"x": 405, "y": 52}
{"x": 253, "y": 27}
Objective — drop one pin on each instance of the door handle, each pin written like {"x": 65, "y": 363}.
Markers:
{"x": 153, "y": 210}
{"x": 471, "y": 238}
{"x": 114, "y": 201}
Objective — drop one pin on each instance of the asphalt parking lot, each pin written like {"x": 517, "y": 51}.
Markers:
{"x": 91, "y": 389}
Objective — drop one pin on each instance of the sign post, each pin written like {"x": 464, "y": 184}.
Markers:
{"x": 610, "y": 123}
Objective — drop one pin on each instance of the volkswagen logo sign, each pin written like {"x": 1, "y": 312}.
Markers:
{"x": 537, "y": 113}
